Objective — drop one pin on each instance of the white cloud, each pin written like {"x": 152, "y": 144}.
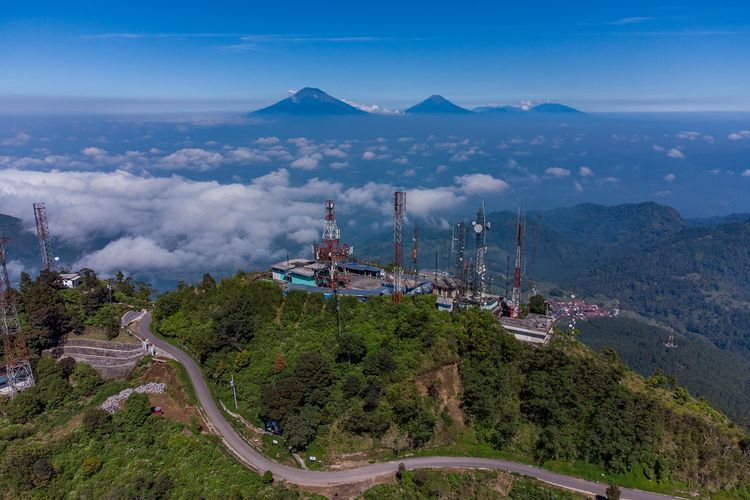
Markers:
{"x": 661, "y": 194}
{"x": 658, "y": 148}
{"x": 334, "y": 153}
{"x": 337, "y": 165}
{"x": 19, "y": 139}
{"x": 714, "y": 171}
{"x": 688, "y": 135}
{"x": 480, "y": 184}
{"x": 675, "y": 153}
{"x": 190, "y": 159}
{"x": 585, "y": 172}
{"x": 441, "y": 168}
{"x": 557, "y": 172}
{"x": 746, "y": 173}
{"x": 409, "y": 172}
{"x": 739, "y": 135}
{"x": 93, "y": 151}
{"x": 368, "y": 155}
{"x": 306, "y": 163}
{"x": 401, "y": 161}
{"x": 670, "y": 177}
{"x": 578, "y": 187}
{"x": 268, "y": 140}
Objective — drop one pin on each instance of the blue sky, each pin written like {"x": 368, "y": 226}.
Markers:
{"x": 636, "y": 55}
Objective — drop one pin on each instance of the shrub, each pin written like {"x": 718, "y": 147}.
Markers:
{"x": 96, "y": 420}
{"x": 85, "y": 380}
{"x": 91, "y": 465}
{"x": 24, "y": 407}
{"x": 42, "y": 472}
{"x": 268, "y": 477}
{"x": 613, "y": 492}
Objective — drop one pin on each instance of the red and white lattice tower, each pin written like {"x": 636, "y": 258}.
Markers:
{"x": 415, "y": 250}
{"x": 331, "y": 251}
{"x": 515, "y": 311}
{"x": 45, "y": 240}
{"x": 17, "y": 366}
{"x": 399, "y": 210}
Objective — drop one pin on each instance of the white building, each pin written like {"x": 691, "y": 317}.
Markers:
{"x": 70, "y": 280}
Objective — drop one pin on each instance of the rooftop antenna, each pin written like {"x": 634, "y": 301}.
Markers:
{"x": 459, "y": 249}
{"x": 399, "y": 210}
{"x": 17, "y": 365}
{"x": 535, "y": 240}
{"x": 45, "y": 240}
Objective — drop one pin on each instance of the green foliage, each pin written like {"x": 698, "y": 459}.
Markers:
{"x": 134, "y": 413}
{"x": 537, "y": 304}
{"x": 95, "y": 421}
{"x": 268, "y": 477}
{"x": 85, "y": 380}
{"x": 560, "y": 403}
{"x": 24, "y": 407}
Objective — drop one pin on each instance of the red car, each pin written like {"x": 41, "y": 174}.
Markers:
{"x": 156, "y": 410}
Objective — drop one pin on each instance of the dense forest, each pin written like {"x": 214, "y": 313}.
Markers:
{"x": 696, "y": 281}
{"x": 342, "y": 376}
{"x": 722, "y": 378}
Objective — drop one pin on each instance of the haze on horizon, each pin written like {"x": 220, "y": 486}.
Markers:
{"x": 184, "y": 56}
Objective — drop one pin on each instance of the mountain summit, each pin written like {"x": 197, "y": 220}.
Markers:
{"x": 436, "y": 104}
{"x": 309, "y": 102}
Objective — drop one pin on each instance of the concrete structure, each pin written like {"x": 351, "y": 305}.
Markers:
{"x": 110, "y": 359}
{"x": 70, "y": 280}
{"x": 534, "y": 328}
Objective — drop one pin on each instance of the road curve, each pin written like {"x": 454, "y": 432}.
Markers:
{"x": 255, "y": 460}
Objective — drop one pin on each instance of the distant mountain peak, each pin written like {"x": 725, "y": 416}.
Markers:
{"x": 553, "y": 107}
{"x": 548, "y": 107}
{"x": 309, "y": 101}
{"x": 437, "y": 104}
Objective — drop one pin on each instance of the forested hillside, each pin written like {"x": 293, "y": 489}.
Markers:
{"x": 696, "y": 281}
{"x": 373, "y": 379}
{"x": 722, "y": 378}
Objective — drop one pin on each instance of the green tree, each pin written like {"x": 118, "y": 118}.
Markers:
{"x": 134, "y": 412}
{"x": 537, "y": 304}
{"x": 299, "y": 429}
{"x": 96, "y": 420}
{"x": 45, "y": 312}
{"x": 85, "y": 380}
{"x": 25, "y": 406}
{"x": 352, "y": 348}
{"x": 42, "y": 472}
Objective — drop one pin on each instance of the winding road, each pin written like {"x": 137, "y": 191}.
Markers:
{"x": 256, "y": 461}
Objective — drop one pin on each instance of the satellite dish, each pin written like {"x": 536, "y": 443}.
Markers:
{"x": 478, "y": 228}
{"x": 488, "y": 225}
{"x": 57, "y": 259}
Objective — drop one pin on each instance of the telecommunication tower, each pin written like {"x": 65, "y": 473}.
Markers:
{"x": 45, "y": 240}
{"x": 480, "y": 226}
{"x": 331, "y": 251}
{"x": 670, "y": 342}
{"x": 17, "y": 366}
{"x": 515, "y": 311}
{"x": 459, "y": 249}
{"x": 399, "y": 210}
{"x": 415, "y": 250}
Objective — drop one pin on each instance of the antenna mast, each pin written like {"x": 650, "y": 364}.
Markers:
{"x": 45, "y": 240}
{"x": 481, "y": 226}
{"x": 331, "y": 251}
{"x": 515, "y": 311}
{"x": 399, "y": 210}
{"x": 415, "y": 249}
{"x": 17, "y": 366}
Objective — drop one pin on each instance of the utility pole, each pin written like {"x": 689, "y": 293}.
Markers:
{"x": 234, "y": 391}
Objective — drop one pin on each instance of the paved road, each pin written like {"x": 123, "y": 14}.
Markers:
{"x": 257, "y": 461}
